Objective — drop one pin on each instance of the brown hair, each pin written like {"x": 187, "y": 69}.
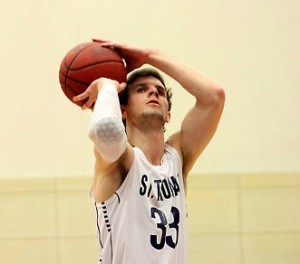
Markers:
{"x": 144, "y": 73}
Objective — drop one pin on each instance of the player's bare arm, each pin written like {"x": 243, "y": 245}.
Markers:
{"x": 199, "y": 125}
{"x": 108, "y": 176}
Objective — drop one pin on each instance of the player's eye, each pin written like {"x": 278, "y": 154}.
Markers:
{"x": 141, "y": 89}
{"x": 161, "y": 91}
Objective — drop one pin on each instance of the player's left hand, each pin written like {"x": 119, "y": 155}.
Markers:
{"x": 134, "y": 57}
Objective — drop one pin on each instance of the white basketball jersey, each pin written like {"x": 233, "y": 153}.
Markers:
{"x": 144, "y": 222}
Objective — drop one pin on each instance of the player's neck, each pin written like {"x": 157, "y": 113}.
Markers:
{"x": 152, "y": 144}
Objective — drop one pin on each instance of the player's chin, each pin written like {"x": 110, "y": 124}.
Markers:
{"x": 154, "y": 114}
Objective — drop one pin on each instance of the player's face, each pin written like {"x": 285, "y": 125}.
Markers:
{"x": 148, "y": 98}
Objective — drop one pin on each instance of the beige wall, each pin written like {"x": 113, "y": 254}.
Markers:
{"x": 250, "y": 47}
{"x": 233, "y": 218}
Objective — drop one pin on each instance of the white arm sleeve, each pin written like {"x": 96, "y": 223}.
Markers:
{"x": 106, "y": 128}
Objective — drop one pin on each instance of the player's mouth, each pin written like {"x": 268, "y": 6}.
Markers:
{"x": 153, "y": 102}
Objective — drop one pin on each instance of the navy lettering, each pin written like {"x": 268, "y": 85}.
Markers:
{"x": 143, "y": 188}
{"x": 159, "y": 189}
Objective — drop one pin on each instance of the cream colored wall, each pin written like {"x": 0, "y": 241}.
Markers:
{"x": 46, "y": 220}
{"x": 233, "y": 218}
{"x": 250, "y": 47}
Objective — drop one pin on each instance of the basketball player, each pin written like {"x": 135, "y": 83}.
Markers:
{"x": 140, "y": 178}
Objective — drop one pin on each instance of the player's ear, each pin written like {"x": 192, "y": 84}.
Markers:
{"x": 124, "y": 111}
{"x": 168, "y": 117}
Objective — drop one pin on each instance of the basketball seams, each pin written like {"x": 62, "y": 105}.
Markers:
{"x": 81, "y": 82}
{"x": 69, "y": 66}
{"x": 77, "y": 54}
{"x": 74, "y": 93}
{"x": 93, "y": 64}
{"x": 71, "y": 89}
{"x": 63, "y": 79}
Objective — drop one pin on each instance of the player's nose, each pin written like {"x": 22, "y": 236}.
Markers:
{"x": 153, "y": 91}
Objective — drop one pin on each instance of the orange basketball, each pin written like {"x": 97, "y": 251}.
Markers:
{"x": 87, "y": 62}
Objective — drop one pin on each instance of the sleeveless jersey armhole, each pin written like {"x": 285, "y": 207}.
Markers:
{"x": 175, "y": 151}
{"x": 119, "y": 191}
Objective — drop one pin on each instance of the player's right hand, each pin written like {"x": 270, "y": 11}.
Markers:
{"x": 91, "y": 93}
